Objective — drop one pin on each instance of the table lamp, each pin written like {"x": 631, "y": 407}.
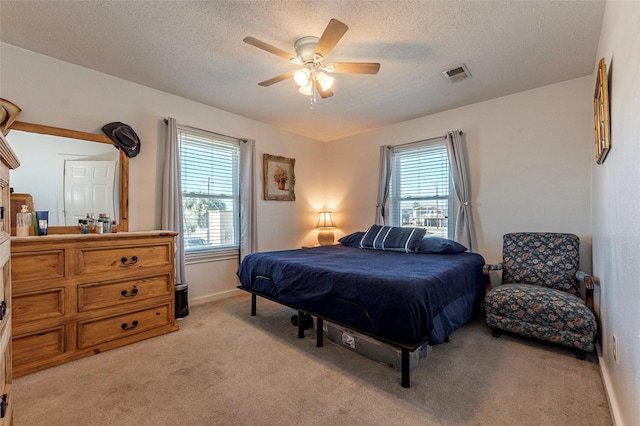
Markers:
{"x": 325, "y": 223}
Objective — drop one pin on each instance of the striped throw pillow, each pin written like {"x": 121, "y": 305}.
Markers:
{"x": 392, "y": 238}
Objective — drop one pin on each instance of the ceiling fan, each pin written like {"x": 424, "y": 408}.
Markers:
{"x": 311, "y": 53}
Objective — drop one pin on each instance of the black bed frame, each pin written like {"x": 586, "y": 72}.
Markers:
{"x": 405, "y": 348}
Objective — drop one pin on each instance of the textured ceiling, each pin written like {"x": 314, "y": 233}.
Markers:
{"x": 194, "y": 49}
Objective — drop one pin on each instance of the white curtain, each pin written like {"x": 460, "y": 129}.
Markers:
{"x": 248, "y": 238}
{"x": 462, "y": 230}
{"x": 172, "y": 197}
{"x": 383, "y": 185}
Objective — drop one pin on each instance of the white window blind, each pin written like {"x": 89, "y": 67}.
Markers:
{"x": 419, "y": 191}
{"x": 209, "y": 172}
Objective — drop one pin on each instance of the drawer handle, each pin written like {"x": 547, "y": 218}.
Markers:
{"x": 125, "y": 326}
{"x": 3, "y": 405}
{"x": 124, "y": 260}
{"x": 134, "y": 292}
{"x": 3, "y": 309}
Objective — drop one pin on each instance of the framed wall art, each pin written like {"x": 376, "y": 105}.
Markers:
{"x": 601, "y": 113}
{"x": 278, "y": 178}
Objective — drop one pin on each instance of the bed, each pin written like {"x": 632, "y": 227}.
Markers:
{"x": 401, "y": 297}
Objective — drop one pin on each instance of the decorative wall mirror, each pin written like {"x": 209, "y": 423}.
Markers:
{"x": 47, "y": 154}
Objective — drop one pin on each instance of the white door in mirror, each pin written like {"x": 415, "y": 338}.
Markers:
{"x": 88, "y": 187}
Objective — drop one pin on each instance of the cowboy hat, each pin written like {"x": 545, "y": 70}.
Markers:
{"x": 123, "y": 137}
{"x": 8, "y": 114}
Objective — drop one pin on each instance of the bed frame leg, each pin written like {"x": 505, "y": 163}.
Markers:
{"x": 404, "y": 366}
{"x": 300, "y": 325}
{"x": 253, "y": 304}
{"x": 319, "y": 332}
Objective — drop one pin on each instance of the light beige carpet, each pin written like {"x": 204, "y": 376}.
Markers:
{"x": 225, "y": 367}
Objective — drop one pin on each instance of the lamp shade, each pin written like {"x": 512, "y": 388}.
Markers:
{"x": 308, "y": 89}
{"x": 325, "y": 221}
{"x": 301, "y": 77}
{"x": 324, "y": 80}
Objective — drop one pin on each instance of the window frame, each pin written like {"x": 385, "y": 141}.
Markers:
{"x": 394, "y": 203}
{"x": 222, "y": 252}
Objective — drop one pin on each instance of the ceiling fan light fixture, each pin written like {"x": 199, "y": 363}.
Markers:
{"x": 301, "y": 77}
{"x": 307, "y": 89}
{"x": 311, "y": 76}
{"x": 325, "y": 81}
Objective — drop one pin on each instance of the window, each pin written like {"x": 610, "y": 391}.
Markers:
{"x": 209, "y": 172}
{"x": 420, "y": 188}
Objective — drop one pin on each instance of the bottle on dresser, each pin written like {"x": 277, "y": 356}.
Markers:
{"x": 23, "y": 222}
{"x": 106, "y": 222}
{"x": 91, "y": 222}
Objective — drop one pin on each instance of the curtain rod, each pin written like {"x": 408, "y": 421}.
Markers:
{"x": 423, "y": 140}
{"x": 166, "y": 121}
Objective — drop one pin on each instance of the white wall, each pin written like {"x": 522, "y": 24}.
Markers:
{"x": 56, "y": 93}
{"x": 616, "y": 203}
{"x": 529, "y": 162}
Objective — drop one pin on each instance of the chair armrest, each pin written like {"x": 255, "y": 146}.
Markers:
{"x": 491, "y": 267}
{"x": 486, "y": 269}
{"x": 587, "y": 280}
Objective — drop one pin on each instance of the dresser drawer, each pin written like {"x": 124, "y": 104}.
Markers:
{"x": 39, "y": 345}
{"x": 101, "y": 295}
{"x": 93, "y": 332}
{"x": 123, "y": 258}
{"x": 37, "y": 265}
{"x": 38, "y": 305}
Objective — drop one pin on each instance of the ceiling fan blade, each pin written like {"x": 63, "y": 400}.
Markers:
{"x": 323, "y": 93}
{"x": 330, "y": 37}
{"x": 269, "y": 48}
{"x": 275, "y": 80}
{"x": 354, "y": 67}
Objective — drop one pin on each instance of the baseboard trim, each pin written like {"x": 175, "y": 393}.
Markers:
{"x": 215, "y": 297}
{"x": 614, "y": 409}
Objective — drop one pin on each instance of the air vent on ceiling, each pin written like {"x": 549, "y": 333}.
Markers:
{"x": 457, "y": 74}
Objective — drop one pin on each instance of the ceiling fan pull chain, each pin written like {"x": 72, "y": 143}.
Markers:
{"x": 312, "y": 98}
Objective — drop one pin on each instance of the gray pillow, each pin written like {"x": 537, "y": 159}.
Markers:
{"x": 352, "y": 240}
{"x": 437, "y": 245}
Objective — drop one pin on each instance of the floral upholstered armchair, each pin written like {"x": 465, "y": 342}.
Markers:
{"x": 540, "y": 295}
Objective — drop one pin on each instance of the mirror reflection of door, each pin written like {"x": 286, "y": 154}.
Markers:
{"x": 43, "y": 178}
{"x": 88, "y": 188}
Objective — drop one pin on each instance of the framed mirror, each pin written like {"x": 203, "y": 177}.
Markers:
{"x": 48, "y": 155}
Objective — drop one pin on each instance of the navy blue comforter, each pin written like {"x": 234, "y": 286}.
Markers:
{"x": 400, "y": 297}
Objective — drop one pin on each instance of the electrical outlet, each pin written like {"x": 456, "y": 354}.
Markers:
{"x": 615, "y": 349}
{"x": 348, "y": 340}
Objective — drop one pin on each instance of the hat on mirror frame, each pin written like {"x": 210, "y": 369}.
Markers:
{"x": 124, "y": 137}
{"x": 8, "y": 114}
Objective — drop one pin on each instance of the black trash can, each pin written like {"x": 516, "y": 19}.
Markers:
{"x": 182, "y": 301}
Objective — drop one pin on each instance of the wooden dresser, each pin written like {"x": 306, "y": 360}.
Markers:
{"x": 76, "y": 295}
{"x": 8, "y": 161}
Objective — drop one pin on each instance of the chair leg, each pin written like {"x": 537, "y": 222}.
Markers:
{"x": 496, "y": 332}
{"x": 580, "y": 354}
